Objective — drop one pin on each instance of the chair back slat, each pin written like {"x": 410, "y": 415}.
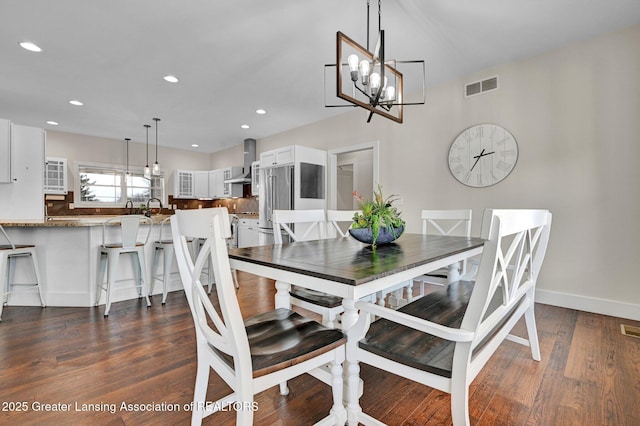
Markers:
{"x": 312, "y": 222}
{"x": 336, "y": 216}
{"x": 129, "y": 227}
{"x": 446, "y": 222}
{"x": 511, "y": 261}
{"x": 228, "y": 334}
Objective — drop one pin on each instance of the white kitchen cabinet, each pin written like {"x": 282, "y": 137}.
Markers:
{"x": 230, "y": 190}
{"x": 277, "y": 157}
{"x": 22, "y": 199}
{"x": 216, "y": 183}
{"x": 183, "y": 184}
{"x": 201, "y": 184}
{"x": 248, "y": 232}
{"x": 255, "y": 178}
{"x": 55, "y": 176}
{"x": 5, "y": 151}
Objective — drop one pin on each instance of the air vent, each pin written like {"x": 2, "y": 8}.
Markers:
{"x": 482, "y": 86}
{"x": 629, "y": 330}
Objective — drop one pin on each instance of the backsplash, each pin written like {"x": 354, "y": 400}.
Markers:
{"x": 234, "y": 205}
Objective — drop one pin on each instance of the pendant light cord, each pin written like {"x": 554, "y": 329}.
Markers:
{"x": 156, "y": 120}
{"x": 146, "y": 126}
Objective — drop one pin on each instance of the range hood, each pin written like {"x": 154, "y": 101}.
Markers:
{"x": 249, "y": 157}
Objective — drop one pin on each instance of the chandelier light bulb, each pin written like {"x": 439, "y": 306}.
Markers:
{"x": 353, "y": 66}
{"x": 364, "y": 72}
{"x": 156, "y": 169}
{"x": 390, "y": 95}
{"x": 375, "y": 83}
{"x": 147, "y": 172}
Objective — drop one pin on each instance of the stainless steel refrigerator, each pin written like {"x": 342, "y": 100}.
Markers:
{"x": 276, "y": 193}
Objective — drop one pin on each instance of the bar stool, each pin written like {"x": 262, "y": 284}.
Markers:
{"x": 8, "y": 254}
{"x": 110, "y": 256}
{"x": 164, "y": 246}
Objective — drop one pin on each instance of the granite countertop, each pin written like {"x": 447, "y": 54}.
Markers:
{"x": 249, "y": 215}
{"x": 74, "y": 221}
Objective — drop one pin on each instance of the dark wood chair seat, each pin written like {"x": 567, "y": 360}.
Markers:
{"x": 439, "y": 273}
{"x": 420, "y": 350}
{"x": 282, "y": 338}
{"x": 316, "y": 297}
{"x": 115, "y": 245}
{"x": 18, "y": 246}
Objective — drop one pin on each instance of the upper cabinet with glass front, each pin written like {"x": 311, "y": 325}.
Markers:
{"x": 55, "y": 176}
{"x": 183, "y": 184}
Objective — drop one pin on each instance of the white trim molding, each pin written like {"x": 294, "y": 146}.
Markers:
{"x": 589, "y": 304}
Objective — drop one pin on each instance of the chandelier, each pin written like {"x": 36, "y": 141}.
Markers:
{"x": 366, "y": 79}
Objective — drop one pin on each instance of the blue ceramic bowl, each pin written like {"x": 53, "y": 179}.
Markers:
{"x": 364, "y": 235}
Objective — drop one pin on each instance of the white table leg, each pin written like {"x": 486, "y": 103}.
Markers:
{"x": 454, "y": 272}
{"x": 283, "y": 298}
{"x": 352, "y": 382}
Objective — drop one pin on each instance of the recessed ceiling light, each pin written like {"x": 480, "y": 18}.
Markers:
{"x": 245, "y": 126}
{"x": 261, "y": 111}
{"x": 171, "y": 78}
{"x": 52, "y": 123}
{"x": 195, "y": 145}
{"x": 30, "y": 46}
{"x": 76, "y": 102}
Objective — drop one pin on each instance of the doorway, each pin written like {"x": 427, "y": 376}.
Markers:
{"x": 352, "y": 168}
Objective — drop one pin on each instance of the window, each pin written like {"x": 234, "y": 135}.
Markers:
{"x": 104, "y": 185}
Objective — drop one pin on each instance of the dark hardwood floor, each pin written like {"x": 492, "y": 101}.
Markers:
{"x": 71, "y": 358}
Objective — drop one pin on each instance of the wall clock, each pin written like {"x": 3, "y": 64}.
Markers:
{"x": 483, "y": 155}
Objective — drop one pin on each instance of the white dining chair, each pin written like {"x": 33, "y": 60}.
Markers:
{"x": 444, "y": 339}
{"x": 251, "y": 355}
{"x": 127, "y": 244}
{"x": 9, "y": 253}
{"x": 446, "y": 222}
{"x": 197, "y": 244}
{"x": 336, "y": 218}
{"x": 304, "y": 225}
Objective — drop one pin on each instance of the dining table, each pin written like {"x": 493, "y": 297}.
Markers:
{"x": 349, "y": 269}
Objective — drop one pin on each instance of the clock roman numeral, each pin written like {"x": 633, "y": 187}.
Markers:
{"x": 457, "y": 170}
{"x": 504, "y": 166}
{"x": 479, "y": 180}
{"x": 466, "y": 177}
{"x": 508, "y": 152}
{"x": 455, "y": 159}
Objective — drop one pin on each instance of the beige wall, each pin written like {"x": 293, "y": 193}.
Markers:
{"x": 575, "y": 114}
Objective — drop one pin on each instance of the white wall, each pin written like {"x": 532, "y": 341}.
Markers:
{"x": 575, "y": 114}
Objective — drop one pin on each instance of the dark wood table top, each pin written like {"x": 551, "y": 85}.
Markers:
{"x": 348, "y": 261}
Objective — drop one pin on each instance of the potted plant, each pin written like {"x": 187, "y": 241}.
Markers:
{"x": 378, "y": 222}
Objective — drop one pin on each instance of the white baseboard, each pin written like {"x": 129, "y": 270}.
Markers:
{"x": 589, "y": 304}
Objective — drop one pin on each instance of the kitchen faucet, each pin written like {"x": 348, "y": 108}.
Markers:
{"x": 148, "y": 211}
{"x": 129, "y": 203}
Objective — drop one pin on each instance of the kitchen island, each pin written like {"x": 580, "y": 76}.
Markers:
{"x": 68, "y": 255}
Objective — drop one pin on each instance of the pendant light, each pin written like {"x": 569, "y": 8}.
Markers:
{"x": 156, "y": 166}
{"x": 147, "y": 170}
{"x": 127, "y": 140}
